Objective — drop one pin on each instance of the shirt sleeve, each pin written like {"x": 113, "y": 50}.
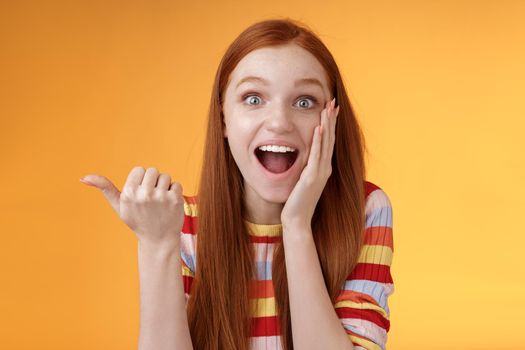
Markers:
{"x": 362, "y": 305}
{"x": 188, "y": 244}
{"x": 186, "y": 262}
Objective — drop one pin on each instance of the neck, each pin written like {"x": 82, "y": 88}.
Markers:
{"x": 262, "y": 212}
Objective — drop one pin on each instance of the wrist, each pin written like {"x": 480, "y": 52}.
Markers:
{"x": 296, "y": 228}
{"x": 296, "y": 224}
{"x": 162, "y": 248}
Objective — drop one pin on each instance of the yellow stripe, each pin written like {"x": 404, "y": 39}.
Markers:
{"x": 190, "y": 209}
{"x": 264, "y": 230}
{"x": 362, "y": 306}
{"x": 187, "y": 272}
{"x": 263, "y": 307}
{"x": 367, "y": 344}
{"x": 376, "y": 254}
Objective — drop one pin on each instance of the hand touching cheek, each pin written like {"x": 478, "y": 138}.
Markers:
{"x": 301, "y": 203}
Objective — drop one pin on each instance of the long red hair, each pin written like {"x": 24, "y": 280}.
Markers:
{"x": 219, "y": 309}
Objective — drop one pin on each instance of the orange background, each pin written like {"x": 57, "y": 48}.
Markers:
{"x": 102, "y": 86}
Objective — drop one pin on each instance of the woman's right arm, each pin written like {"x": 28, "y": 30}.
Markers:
{"x": 163, "y": 319}
{"x": 153, "y": 207}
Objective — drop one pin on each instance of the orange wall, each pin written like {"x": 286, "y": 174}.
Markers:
{"x": 102, "y": 86}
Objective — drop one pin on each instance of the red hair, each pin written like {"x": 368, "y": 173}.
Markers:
{"x": 219, "y": 309}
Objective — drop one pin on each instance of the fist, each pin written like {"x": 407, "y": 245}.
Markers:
{"x": 149, "y": 204}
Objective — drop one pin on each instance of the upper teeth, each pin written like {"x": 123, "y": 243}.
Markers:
{"x": 273, "y": 148}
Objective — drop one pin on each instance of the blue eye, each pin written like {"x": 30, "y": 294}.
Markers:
{"x": 304, "y": 98}
{"x": 314, "y": 101}
{"x": 251, "y": 96}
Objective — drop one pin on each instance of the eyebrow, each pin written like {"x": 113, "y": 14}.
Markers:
{"x": 298, "y": 82}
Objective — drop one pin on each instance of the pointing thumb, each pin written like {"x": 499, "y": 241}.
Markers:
{"x": 109, "y": 190}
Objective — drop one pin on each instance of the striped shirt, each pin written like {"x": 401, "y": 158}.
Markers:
{"x": 362, "y": 305}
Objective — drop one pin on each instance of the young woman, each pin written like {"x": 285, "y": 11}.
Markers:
{"x": 286, "y": 245}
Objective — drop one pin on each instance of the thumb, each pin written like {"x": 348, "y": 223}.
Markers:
{"x": 109, "y": 190}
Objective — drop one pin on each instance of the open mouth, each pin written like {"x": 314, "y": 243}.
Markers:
{"x": 276, "y": 162}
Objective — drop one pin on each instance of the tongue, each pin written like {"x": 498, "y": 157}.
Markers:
{"x": 275, "y": 162}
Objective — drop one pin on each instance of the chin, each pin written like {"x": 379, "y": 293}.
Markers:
{"x": 276, "y": 196}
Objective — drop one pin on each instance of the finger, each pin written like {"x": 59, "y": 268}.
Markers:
{"x": 109, "y": 190}
{"x": 134, "y": 178}
{"x": 164, "y": 182}
{"x": 176, "y": 187}
{"x": 150, "y": 178}
{"x": 333, "y": 122}
{"x": 325, "y": 120}
{"x": 336, "y": 115}
{"x": 325, "y": 109}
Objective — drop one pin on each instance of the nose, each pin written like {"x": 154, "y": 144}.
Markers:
{"x": 279, "y": 120}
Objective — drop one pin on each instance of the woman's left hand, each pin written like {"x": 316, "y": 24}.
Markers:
{"x": 300, "y": 206}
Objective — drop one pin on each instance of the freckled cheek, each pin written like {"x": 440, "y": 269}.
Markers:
{"x": 241, "y": 137}
{"x": 308, "y": 135}
{"x": 310, "y": 130}
{"x": 239, "y": 124}
{"x": 245, "y": 127}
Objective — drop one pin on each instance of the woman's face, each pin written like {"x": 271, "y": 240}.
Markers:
{"x": 274, "y": 97}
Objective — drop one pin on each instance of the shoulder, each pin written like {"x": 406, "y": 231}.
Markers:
{"x": 378, "y": 206}
{"x": 376, "y": 194}
{"x": 190, "y": 214}
{"x": 188, "y": 241}
{"x": 190, "y": 205}
{"x": 379, "y": 220}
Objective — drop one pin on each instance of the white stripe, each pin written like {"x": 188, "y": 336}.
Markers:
{"x": 187, "y": 250}
{"x": 263, "y": 251}
{"x": 367, "y": 329}
{"x": 377, "y": 290}
{"x": 187, "y": 243}
{"x": 378, "y": 210}
{"x": 266, "y": 343}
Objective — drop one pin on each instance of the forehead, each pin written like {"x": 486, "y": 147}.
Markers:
{"x": 290, "y": 62}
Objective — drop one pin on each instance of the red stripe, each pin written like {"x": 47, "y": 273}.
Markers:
{"x": 261, "y": 289}
{"x": 187, "y": 281}
{"x": 190, "y": 224}
{"x": 265, "y": 326}
{"x": 370, "y": 187}
{"x": 190, "y": 199}
{"x": 356, "y": 297}
{"x": 265, "y": 239}
{"x": 363, "y": 314}
{"x": 371, "y": 272}
{"x": 379, "y": 235}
